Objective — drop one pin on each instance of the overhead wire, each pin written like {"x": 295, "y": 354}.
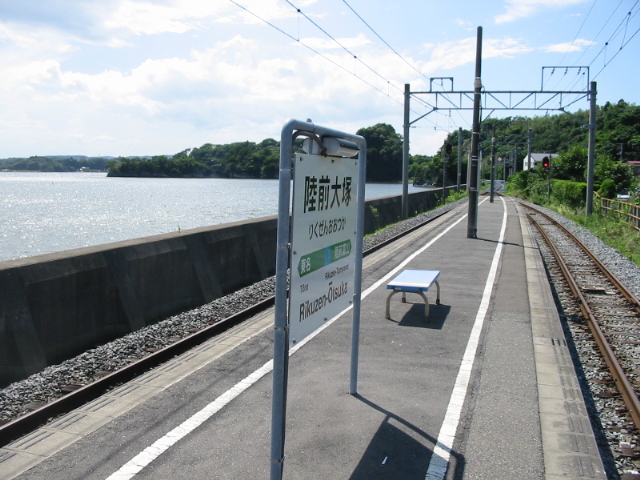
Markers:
{"x": 420, "y": 100}
{"x": 616, "y": 54}
{"x": 355, "y": 57}
{"x": 352, "y": 54}
{"x": 573, "y": 42}
{"x": 599, "y": 32}
{"x": 579, "y": 30}
{"x": 312, "y": 50}
{"x": 415, "y": 97}
{"x": 621, "y": 28}
{"x": 383, "y": 40}
{"x": 613, "y": 36}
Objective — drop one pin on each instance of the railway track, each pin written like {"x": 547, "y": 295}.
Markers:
{"x": 74, "y": 395}
{"x": 597, "y": 304}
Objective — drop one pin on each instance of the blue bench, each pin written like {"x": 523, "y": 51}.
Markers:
{"x": 414, "y": 281}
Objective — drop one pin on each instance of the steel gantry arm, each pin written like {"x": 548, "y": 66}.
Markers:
{"x": 501, "y": 100}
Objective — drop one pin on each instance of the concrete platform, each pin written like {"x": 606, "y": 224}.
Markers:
{"x": 484, "y": 390}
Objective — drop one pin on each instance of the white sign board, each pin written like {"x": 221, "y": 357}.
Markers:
{"x": 323, "y": 241}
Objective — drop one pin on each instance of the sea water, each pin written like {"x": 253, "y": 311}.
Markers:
{"x": 50, "y": 212}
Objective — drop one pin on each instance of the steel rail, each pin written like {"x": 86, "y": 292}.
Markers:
{"x": 624, "y": 385}
{"x": 616, "y": 282}
{"x": 77, "y": 397}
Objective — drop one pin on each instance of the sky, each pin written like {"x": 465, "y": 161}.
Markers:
{"x": 156, "y": 77}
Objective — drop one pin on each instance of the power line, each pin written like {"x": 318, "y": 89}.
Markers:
{"x": 383, "y": 40}
{"x": 355, "y": 57}
{"x": 599, "y": 32}
{"x": 313, "y": 50}
{"x": 620, "y": 29}
{"x": 352, "y": 54}
{"x": 625, "y": 22}
{"x": 579, "y": 30}
{"x": 297, "y": 40}
{"x": 619, "y": 50}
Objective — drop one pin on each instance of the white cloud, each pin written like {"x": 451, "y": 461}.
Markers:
{"x": 148, "y": 18}
{"x": 575, "y": 46}
{"x": 157, "y": 76}
{"x": 467, "y": 25}
{"x": 449, "y": 55}
{"x": 518, "y": 9}
{"x": 328, "y": 44}
{"x": 177, "y": 16}
{"x": 255, "y": 11}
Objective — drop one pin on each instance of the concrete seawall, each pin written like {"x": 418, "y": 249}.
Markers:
{"x": 58, "y": 305}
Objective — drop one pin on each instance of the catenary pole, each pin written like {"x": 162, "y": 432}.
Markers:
{"x": 405, "y": 153}
{"x": 444, "y": 171}
{"x": 529, "y": 143}
{"x": 459, "y": 158}
{"x": 592, "y": 147}
{"x": 472, "y": 219}
{"x": 493, "y": 162}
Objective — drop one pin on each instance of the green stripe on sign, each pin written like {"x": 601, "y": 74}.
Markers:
{"x": 321, "y": 258}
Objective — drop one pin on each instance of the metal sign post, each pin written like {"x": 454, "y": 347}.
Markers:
{"x": 319, "y": 251}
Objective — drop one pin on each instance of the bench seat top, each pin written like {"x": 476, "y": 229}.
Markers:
{"x": 414, "y": 280}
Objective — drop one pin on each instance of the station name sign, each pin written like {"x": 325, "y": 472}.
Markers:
{"x": 324, "y": 223}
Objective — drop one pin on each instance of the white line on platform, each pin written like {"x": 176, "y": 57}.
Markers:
{"x": 442, "y": 451}
{"x": 149, "y": 454}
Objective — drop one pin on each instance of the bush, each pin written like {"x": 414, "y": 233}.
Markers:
{"x": 608, "y": 189}
{"x": 568, "y": 193}
{"x": 519, "y": 184}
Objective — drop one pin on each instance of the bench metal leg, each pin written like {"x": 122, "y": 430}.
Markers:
{"x": 426, "y": 306}
{"x": 404, "y": 296}
{"x": 393, "y": 292}
{"x": 438, "y": 294}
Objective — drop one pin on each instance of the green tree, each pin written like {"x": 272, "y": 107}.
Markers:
{"x": 618, "y": 130}
{"x": 571, "y": 164}
{"x": 384, "y": 153}
{"x": 620, "y": 173}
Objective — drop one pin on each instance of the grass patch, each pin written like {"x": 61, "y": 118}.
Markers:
{"x": 612, "y": 231}
{"x": 567, "y": 199}
{"x": 453, "y": 197}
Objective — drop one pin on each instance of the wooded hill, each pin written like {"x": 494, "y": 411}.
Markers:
{"x": 55, "y": 163}
{"x": 618, "y": 140}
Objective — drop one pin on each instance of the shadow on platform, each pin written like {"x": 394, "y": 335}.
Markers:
{"x": 414, "y": 317}
{"x": 490, "y": 240}
{"x": 398, "y": 450}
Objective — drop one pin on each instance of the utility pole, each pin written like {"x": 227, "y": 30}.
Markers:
{"x": 472, "y": 219}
